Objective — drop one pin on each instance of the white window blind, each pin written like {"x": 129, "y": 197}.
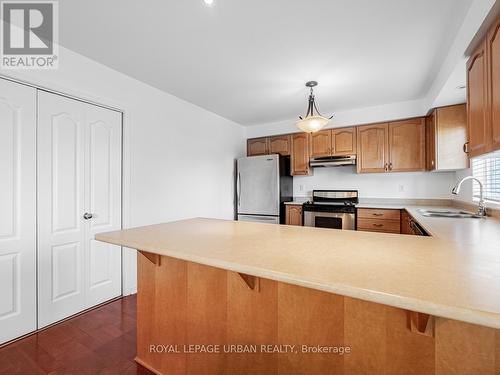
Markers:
{"x": 487, "y": 169}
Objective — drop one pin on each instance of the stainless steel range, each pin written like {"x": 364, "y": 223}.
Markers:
{"x": 331, "y": 209}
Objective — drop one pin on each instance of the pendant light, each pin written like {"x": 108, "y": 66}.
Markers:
{"x": 312, "y": 122}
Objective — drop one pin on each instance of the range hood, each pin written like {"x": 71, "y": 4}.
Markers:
{"x": 333, "y": 161}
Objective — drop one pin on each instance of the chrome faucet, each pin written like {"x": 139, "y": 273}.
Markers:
{"x": 481, "y": 211}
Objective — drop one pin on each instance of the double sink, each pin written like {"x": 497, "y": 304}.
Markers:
{"x": 448, "y": 213}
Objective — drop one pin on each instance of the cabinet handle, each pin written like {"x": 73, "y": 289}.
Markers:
{"x": 466, "y": 147}
{"x": 390, "y": 166}
{"x": 377, "y": 214}
{"x": 378, "y": 225}
{"x": 385, "y": 167}
{"x": 87, "y": 216}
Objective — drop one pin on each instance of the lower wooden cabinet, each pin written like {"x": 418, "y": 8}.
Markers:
{"x": 293, "y": 214}
{"x": 379, "y": 220}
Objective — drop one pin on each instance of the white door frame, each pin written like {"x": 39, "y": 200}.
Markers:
{"x": 129, "y": 278}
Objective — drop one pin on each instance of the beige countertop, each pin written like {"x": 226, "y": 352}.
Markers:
{"x": 452, "y": 279}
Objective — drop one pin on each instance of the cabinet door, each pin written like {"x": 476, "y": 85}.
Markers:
{"x": 321, "y": 143}
{"x": 293, "y": 214}
{"x": 476, "y": 103}
{"x": 300, "y": 154}
{"x": 494, "y": 84}
{"x": 451, "y": 137}
{"x": 372, "y": 143}
{"x": 280, "y": 144}
{"x": 79, "y": 172}
{"x": 430, "y": 141}
{"x": 258, "y": 146}
{"x": 407, "y": 145}
{"x": 17, "y": 210}
{"x": 406, "y": 227}
{"x": 344, "y": 141}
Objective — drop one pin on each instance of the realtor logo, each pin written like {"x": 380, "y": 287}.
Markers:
{"x": 29, "y": 35}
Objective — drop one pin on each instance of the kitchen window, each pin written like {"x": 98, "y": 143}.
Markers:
{"x": 487, "y": 169}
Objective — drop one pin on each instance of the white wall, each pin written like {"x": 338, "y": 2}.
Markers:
{"x": 417, "y": 185}
{"x": 178, "y": 158}
{"x": 387, "y": 112}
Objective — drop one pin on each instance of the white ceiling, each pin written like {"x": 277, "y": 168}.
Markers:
{"x": 247, "y": 60}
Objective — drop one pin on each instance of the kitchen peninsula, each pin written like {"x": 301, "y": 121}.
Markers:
{"x": 399, "y": 304}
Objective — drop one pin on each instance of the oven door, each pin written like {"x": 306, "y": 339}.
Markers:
{"x": 333, "y": 220}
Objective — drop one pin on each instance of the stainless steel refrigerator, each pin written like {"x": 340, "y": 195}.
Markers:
{"x": 263, "y": 183}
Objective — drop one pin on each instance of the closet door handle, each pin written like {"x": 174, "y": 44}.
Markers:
{"x": 87, "y": 216}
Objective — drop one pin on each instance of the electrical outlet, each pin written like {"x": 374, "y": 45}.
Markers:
{"x": 301, "y": 187}
{"x": 401, "y": 188}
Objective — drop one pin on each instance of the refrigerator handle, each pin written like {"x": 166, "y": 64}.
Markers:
{"x": 239, "y": 189}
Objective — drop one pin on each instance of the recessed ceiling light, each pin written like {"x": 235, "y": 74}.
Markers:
{"x": 209, "y": 3}
{"x": 461, "y": 87}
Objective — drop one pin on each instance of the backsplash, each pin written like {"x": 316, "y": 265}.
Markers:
{"x": 414, "y": 185}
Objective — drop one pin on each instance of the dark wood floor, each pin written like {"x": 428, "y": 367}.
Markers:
{"x": 101, "y": 341}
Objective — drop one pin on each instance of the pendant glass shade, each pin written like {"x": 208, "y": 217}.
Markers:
{"x": 313, "y": 121}
{"x": 312, "y": 124}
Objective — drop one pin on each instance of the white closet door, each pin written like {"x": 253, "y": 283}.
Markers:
{"x": 79, "y": 194}
{"x": 17, "y": 210}
{"x": 61, "y": 205}
{"x": 103, "y": 185}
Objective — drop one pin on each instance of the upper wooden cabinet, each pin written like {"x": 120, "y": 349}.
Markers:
{"x": 373, "y": 148}
{"x": 280, "y": 144}
{"x": 333, "y": 142}
{"x": 407, "y": 145}
{"x": 477, "y": 102}
{"x": 258, "y": 146}
{"x": 493, "y": 64}
{"x": 430, "y": 141}
{"x": 321, "y": 143}
{"x": 446, "y": 129}
{"x": 344, "y": 141}
{"x": 394, "y": 147}
{"x": 300, "y": 155}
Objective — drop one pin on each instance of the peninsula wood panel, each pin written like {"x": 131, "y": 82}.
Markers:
{"x": 252, "y": 318}
{"x": 463, "y": 348}
{"x": 344, "y": 141}
{"x": 280, "y": 144}
{"x": 321, "y": 143}
{"x": 309, "y": 317}
{"x": 162, "y": 313}
{"x": 407, "y": 145}
{"x": 179, "y": 301}
{"x": 258, "y": 146}
{"x": 372, "y": 146}
{"x": 477, "y": 111}
{"x": 206, "y": 294}
{"x": 493, "y": 53}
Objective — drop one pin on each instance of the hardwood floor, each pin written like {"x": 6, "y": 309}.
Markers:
{"x": 101, "y": 341}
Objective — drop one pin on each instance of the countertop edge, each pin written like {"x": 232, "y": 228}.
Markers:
{"x": 482, "y": 318}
